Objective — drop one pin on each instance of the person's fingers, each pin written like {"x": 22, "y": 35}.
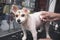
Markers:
{"x": 44, "y": 20}
{"x": 56, "y": 19}
{"x": 43, "y": 17}
{"x": 47, "y": 20}
{"x": 43, "y": 13}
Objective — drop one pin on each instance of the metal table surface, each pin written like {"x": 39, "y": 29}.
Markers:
{"x": 5, "y": 33}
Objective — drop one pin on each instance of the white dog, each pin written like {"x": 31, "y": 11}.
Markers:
{"x": 28, "y": 21}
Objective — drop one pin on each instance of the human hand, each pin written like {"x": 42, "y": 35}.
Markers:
{"x": 48, "y": 16}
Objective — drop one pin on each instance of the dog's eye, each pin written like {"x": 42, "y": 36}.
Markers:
{"x": 23, "y": 15}
{"x": 16, "y": 15}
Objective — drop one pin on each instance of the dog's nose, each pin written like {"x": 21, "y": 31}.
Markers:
{"x": 18, "y": 20}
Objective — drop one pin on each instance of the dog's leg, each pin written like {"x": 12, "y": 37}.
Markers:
{"x": 24, "y": 37}
{"x": 34, "y": 33}
{"x": 24, "y": 32}
{"x": 47, "y": 30}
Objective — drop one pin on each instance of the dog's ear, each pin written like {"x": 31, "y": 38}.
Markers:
{"x": 14, "y": 8}
{"x": 26, "y": 10}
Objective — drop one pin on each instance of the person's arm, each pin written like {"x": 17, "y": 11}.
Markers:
{"x": 58, "y": 16}
{"x": 49, "y": 16}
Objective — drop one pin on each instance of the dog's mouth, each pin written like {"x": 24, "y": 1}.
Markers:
{"x": 19, "y": 22}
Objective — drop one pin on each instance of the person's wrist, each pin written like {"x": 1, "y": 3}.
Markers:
{"x": 53, "y": 15}
{"x": 57, "y": 16}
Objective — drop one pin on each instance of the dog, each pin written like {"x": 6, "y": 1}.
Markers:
{"x": 28, "y": 21}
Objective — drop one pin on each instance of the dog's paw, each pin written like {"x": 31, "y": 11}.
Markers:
{"x": 24, "y": 38}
